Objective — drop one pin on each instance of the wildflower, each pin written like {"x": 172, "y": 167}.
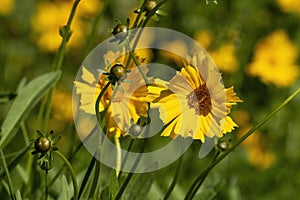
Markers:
{"x": 62, "y": 106}
{"x": 128, "y": 103}
{"x": 205, "y": 38}
{"x": 225, "y": 58}
{"x": 51, "y": 15}
{"x": 6, "y": 7}
{"x": 274, "y": 60}
{"x": 195, "y": 95}
{"x": 292, "y": 6}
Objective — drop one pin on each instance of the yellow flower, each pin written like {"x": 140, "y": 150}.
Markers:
{"x": 62, "y": 106}
{"x": 195, "y": 104}
{"x": 274, "y": 60}
{"x": 127, "y": 104}
{"x": 289, "y": 5}
{"x": 6, "y": 6}
{"x": 225, "y": 58}
{"x": 50, "y": 16}
{"x": 258, "y": 155}
{"x": 204, "y": 38}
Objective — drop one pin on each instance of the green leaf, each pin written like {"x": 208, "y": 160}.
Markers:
{"x": 18, "y": 195}
{"x": 23, "y": 104}
{"x": 113, "y": 185}
{"x": 64, "y": 188}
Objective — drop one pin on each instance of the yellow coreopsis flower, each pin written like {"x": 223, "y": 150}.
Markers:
{"x": 195, "y": 104}
{"x": 225, "y": 58}
{"x": 129, "y": 101}
{"x": 205, "y": 38}
{"x": 62, "y": 106}
{"x": 6, "y": 6}
{"x": 274, "y": 60}
{"x": 289, "y": 5}
{"x": 51, "y": 15}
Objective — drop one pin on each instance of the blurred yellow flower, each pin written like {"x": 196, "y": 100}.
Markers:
{"x": 127, "y": 104}
{"x": 225, "y": 58}
{"x": 194, "y": 97}
{"x": 292, "y": 6}
{"x": 50, "y": 15}
{"x": 274, "y": 60}
{"x": 6, "y": 6}
{"x": 258, "y": 155}
{"x": 204, "y": 38}
{"x": 62, "y": 106}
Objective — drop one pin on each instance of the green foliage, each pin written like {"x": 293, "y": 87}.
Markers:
{"x": 235, "y": 176}
{"x": 23, "y": 104}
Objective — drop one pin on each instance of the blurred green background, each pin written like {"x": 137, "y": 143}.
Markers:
{"x": 255, "y": 44}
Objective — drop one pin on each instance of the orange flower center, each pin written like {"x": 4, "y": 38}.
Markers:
{"x": 199, "y": 99}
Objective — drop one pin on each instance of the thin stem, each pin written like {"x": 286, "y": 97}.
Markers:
{"x": 245, "y": 136}
{"x": 46, "y": 185}
{"x": 96, "y": 26}
{"x": 198, "y": 184}
{"x": 130, "y": 174}
{"x": 58, "y": 60}
{"x": 172, "y": 186}
{"x": 126, "y": 155}
{"x": 95, "y": 181}
{"x": 25, "y": 133}
{"x": 137, "y": 19}
{"x": 118, "y": 161}
{"x": 98, "y": 102}
{"x": 136, "y": 62}
{"x": 70, "y": 158}
{"x": 10, "y": 186}
{"x": 87, "y": 176}
{"x": 73, "y": 175}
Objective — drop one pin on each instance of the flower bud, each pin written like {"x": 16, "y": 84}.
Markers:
{"x": 223, "y": 145}
{"x": 118, "y": 71}
{"x": 135, "y": 130}
{"x": 150, "y": 5}
{"x": 120, "y": 31}
{"x": 42, "y": 144}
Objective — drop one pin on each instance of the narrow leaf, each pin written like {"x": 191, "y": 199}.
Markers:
{"x": 24, "y": 103}
{"x": 113, "y": 185}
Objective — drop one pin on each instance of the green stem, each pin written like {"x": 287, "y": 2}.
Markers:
{"x": 58, "y": 60}
{"x": 192, "y": 190}
{"x": 203, "y": 177}
{"x": 10, "y": 186}
{"x": 95, "y": 181}
{"x": 172, "y": 186}
{"x": 46, "y": 185}
{"x": 129, "y": 176}
{"x": 96, "y": 26}
{"x": 126, "y": 155}
{"x": 68, "y": 164}
{"x": 98, "y": 102}
{"x": 136, "y": 62}
{"x": 87, "y": 176}
{"x": 137, "y": 19}
{"x": 70, "y": 158}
